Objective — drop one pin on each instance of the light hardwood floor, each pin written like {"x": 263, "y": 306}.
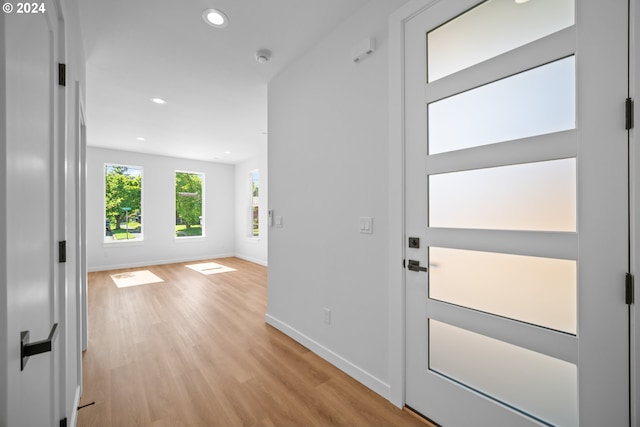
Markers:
{"x": 194, "y": 350}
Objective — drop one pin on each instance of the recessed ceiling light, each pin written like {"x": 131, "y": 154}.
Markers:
{"x": 140, "y": 138}
{"x": 215, "y": 18}
{"x": 227, "y": 152}
{"x": 521, "y": 1}
{"x": 158, "y": 101}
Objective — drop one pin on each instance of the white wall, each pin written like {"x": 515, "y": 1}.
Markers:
{"x": 158, "y": 212}
{"x": 252, "y": 249}
{"x": 328, "y": 166}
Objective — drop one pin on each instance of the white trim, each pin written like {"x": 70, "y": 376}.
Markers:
{"x": 253, "y": 260}
{"x": 359, "y": 374}
{"x": 73, "y": 419}
{"x": 396, "y": 196}
{"x": 4, "y": 224}
{"x": 396, "y": 206}
{"x": 158, "y": 262}
{"x": 61, "y": 194}
{"x": 79, "y": 170}
{"x": 125, "y": 243}
{"x": 634, "y": 63}
{"x": 180, "y": 239}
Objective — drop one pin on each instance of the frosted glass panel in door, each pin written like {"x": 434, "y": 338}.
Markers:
{"x": 537, "y": 385}
{"x": 535, "y": 102}
{"x": 492, "y": 28}
{"x": 537, "y": 196}
{"x": 541, "y": 291}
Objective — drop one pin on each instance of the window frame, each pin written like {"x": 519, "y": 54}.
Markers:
{"x": 125, "y": 242}
{"x": 203, "y": 221}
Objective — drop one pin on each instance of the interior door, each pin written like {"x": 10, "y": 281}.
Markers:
{"x": 29, "y": 38}
{"x": 516, "y": 187}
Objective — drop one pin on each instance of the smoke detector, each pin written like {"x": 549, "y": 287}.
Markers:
{"x": 263, "y": 56}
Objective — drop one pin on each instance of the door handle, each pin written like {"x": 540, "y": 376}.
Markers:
{"x": 415, "y": 266}
{"x": 28, "y": 349}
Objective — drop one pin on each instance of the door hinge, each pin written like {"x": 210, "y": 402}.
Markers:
{"x": 628, "y": 114}
{"x": 63, "y": 422}
{"x": 62, "y": 251}
{"x": 62, "y": 74}
{"x": 629, "y": 289}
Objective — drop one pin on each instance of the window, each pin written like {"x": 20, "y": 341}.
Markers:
{"x": 254, "y": 226}
{"x": 123, "y": 203}
{"x": 189, "y": 204}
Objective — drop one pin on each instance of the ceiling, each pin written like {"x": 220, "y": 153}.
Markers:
{"x": 216, "y": 91}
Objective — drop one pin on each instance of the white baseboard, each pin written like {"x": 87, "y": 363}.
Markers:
{"x": 253, "y": 260}
{"x": 359, "y": 374}
{"x": 156, "y": 262}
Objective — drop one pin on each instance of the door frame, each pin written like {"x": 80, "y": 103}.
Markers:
{"x": 79, "y": 169}
{"x": 3, "y": 220}
{"x": 396, "y": 156}
{"x": 634, "y": 170}
{"x": 396, "y": 153}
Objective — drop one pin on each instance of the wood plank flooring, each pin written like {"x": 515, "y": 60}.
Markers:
{"x": 194, "y": 350}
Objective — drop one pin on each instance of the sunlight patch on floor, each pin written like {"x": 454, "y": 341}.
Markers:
{"x": 210, "y": 268}
{"x": 135, "y": 278}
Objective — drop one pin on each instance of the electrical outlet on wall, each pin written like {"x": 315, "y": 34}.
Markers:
{"x": 327, "y": 316}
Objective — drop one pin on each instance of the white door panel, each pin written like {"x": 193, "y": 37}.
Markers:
{"x": 485, "y": 341}
{"x": 31, "y": 85}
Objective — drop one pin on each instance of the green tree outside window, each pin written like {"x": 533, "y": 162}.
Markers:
{"x": 189, "y": 199}
{"x": 123, "y": 203}
{"x": 255, "y": 202}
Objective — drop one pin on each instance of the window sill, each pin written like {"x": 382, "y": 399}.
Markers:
{"x": 122, "y": 243}
{"x": 188, "y": 238}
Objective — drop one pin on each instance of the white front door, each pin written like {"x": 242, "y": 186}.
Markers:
{"x": 29, "y": 35}
{"x": 517, "y": 189}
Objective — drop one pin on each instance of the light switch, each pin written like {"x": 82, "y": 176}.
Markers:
{"x": 279, "y": 221}
{"x": 366, "y": 225}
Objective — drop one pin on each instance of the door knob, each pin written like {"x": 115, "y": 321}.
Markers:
{"x": 415, "y": 266}
{"x": 28, "y": 349}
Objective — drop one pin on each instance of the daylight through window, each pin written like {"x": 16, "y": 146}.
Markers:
{"x": 189, "y": 204}
{"x": 123, "y": 203}
{"x": 255, "y": 209}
